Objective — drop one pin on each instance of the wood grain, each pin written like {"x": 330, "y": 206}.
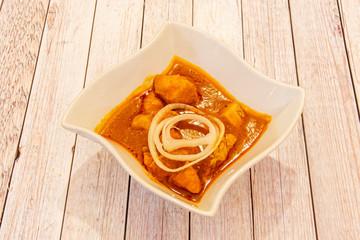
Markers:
{"x": 234, "y": 217}
{"x": 35, "y": 204}
{"x": 281, "y": 189}
{"x": 327, "y": 64}
{"x": 148, "y": 214}
{"x": 21, "y": 31}
{"x": 151, "y": 217}
{"x": 330, "y": 118}
{"x": 157, "y": 12}
{"x": 96, "y": 202}
{"x": 97, "y": 198}
{"x": 349, "y": 13}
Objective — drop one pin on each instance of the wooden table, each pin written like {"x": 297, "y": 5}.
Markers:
{"x": 54, "y": 184}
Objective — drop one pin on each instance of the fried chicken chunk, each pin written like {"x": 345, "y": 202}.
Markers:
{"x": 187, "y": 179}
{"x": 153, "y": 169}
{"x": 221, "y": 152}
{"x": 218, "y": 156}
{"x": 152, "y": 104}
{"x": 175, "y": 89}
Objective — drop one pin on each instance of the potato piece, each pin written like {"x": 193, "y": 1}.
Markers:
{"x": 142, "y": 121}
{"x": 233, "y": 114}
{"x": 152, "y": 104}
{"x": 187, "y": 179}
{"x": 175, "y": 89}
{"x": 153, "y": 169}
{"x": 221, "y": 152}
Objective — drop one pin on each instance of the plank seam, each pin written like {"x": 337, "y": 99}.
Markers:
{"x": 192, "y": 13}
{"x": 250, "y": 174}
{"x": 303, "y": 125}
{"x": 252, "y": 203}
{"x": 75, "y": 142}
{"x": 67, "y": 189}
{"x": 1, "y": 5}
{"x": 127, "y": 207}
{"x": 129, "y": 183}
{"x": 142, "y": 25}
{"x": 17, "y": 151}
{"x": 339, "y": 4}
{"x": 189, "y": 236}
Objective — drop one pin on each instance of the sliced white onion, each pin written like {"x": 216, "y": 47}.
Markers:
{"x": 208, "y": 143}
{"x": 170, "y": 144}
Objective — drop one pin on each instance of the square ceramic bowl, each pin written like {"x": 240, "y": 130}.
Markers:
{"x": 283, "y": 102}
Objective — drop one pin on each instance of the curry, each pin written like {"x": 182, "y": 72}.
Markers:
{"x": 184, "y": 128}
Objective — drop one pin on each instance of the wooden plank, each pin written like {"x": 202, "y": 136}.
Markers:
{"x": 234, "y": 217}
{"x": 19, "y": 48}
{"x": 282, "y": 204}
{"x": 349, "y": 13}
{"x": 97, "y": 180}
{"x": 330, "y": 118}
{"x": 158, "y": 12}
{"x": 96, "y": 202}
{"x": 35, "y": 204}
{"x": 154, "y": 218}
{"x": 148, "y": 214}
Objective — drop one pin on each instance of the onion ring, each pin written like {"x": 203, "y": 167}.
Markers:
{"x": 208, "y": 142}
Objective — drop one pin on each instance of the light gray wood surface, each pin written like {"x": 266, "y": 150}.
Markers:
{"x": 282, "y": 205}
{"x": 18, "y": 57}
{"x": 105, "y": 195}
{"x": 331, "y": 119}
{"x": 56, "y": 185}
{"x": 35, "y": 203}
{"x": 350, "y": 18}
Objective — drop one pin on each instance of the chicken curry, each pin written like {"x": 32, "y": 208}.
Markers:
{"x": 184, "y": 128}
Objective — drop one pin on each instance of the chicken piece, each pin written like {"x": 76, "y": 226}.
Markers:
{"x": 221, "y": 152}
{"x": 233, "y": 114}
{"x": 142, "y": 121}
{"x": 175, "y": 89}
{"x": 152, "y": 104}
{"x": 153, "y": 169}
{"x": 187, "y": 179}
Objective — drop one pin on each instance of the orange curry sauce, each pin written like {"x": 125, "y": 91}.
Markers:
{"x": 213, "y": 99}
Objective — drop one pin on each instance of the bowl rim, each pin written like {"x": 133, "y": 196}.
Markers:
{"x": 230, "y": 180}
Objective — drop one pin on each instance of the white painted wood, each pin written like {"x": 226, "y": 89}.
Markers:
{"x": 150, "y": 216}
{"x": 157, "y": 12}
{"x": 330, "y": 118}
{"x": 96, "y": 202}
{"x": 35, "y": 204}
{"x": 350, "y": 14}
{"x": 281, "y": 186}
{"x": 20, "y": 36}
{"x": 234, "y": 217}
{"x": 97, "y": 198}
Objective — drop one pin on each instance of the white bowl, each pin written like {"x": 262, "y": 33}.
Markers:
{"x": 283, "y": 102}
